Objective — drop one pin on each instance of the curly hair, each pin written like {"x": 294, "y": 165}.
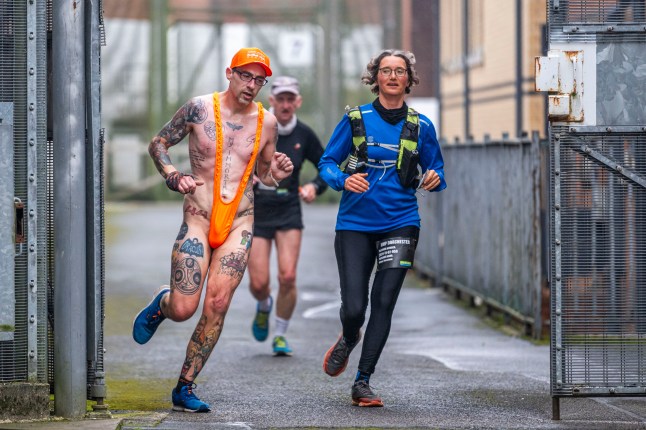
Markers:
{"x": 369, "y": 77}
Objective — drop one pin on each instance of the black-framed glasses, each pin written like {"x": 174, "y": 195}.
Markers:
{"x": 247, "y": 77}
{"x": 387, "y": 71}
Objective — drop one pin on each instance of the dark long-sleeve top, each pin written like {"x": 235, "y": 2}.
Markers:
{"x": 300, "y": 145}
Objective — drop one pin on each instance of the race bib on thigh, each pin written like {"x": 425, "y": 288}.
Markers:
{"x": 396, "y": 253}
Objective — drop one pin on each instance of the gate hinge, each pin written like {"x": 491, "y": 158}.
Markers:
{"x": 19, "y": 216}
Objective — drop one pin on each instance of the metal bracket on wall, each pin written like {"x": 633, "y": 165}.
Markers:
{"x": 604, "y": 161}
{"x": 615, "y": 129}
{"x": 608, "y": 28}
{"x": 560, "y": 73}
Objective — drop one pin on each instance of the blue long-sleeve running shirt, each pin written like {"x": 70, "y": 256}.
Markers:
{"x": 387, "y": 205}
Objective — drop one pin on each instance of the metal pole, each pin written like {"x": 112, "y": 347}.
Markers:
{"x": 158, "y": 82}
{"x": 68, "y": 95}
{"x": 425, "y": 44}
{"x": 95, "y": 230}
{"x": 332, "y": 55}
{"x": 158, "y": 75}
{"x": 389, "y": 24}
{"x": 519, "y": 67}
{"x": 437, "y": 69}
{"x": 465, "y": 64}
{"x": 36, "y": 182}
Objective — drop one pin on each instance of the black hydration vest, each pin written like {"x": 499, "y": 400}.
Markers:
{"x": 407, "y": 154}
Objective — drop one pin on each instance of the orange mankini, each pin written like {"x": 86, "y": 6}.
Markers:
{"x": 222, "y": 213}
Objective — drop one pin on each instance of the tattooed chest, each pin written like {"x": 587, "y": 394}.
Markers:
{"x": 236, "y": 153}
{"x": 199, "y": 159}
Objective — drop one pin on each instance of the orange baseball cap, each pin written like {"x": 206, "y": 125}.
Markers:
{"x": 251, "y": 55}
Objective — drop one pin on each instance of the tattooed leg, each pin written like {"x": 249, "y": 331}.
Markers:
{"x": 228, "y": 264}
{"x": 188, "y": 270}
{"x": 216, "y": 304}
{"x": 200, "y": 346}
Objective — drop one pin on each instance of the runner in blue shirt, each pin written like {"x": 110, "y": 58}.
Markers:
{"x": 378, "y": 219}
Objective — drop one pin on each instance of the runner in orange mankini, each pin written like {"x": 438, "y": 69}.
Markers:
{"x": 228, "y": 135}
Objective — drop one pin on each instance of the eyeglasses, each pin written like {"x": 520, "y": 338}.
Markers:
{"x": 387, "y": 71}
{"x": 247, "y": 77}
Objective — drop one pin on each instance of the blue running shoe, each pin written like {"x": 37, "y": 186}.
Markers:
{"x": 260, "y": 326}
{"x": 281, "y": 347}
{"x": 147, "y": 321}
{"x": 186, "y": 401}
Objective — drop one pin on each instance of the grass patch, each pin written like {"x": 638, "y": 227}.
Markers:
{"x": 88, "y": 404}
{"x": 496, "y": 319}
{"x": 7, "y": 328}
{"x": 139, "y": 394}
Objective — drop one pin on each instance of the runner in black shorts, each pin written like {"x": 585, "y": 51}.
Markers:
{"x": 278, "y": 217}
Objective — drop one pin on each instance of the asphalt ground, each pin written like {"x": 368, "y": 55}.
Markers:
{"x": 444, "y": 367}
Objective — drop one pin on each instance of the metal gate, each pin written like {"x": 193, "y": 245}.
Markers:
{"x": 596, "y": 74}
{"x": 27, "y": 204}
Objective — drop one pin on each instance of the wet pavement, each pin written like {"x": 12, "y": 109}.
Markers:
{"x": 442, "y": 368}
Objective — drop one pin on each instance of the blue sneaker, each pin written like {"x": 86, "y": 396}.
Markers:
{"x": 260, "y": 326}
{"x": 281, "y": 347}
{"x": 187, "y": 401}
{"x": 147, "y": 321}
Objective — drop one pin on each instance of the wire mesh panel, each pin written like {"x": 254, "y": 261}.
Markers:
{"x": 23, "y": 78}
{"x": 600, "y": 201}
{"x": 586, "y": 20}
{"x": 597, "y": 11}
{"x": 13, "y": 85}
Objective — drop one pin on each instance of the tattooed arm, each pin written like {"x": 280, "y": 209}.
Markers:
{"x": 272, "y": 166}
{"x": 193, "y": 112}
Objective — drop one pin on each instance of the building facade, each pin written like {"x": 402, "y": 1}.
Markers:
{"x": 487, "y": 52}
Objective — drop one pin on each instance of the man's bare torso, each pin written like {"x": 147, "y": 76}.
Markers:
{"x": 239, "y": 134}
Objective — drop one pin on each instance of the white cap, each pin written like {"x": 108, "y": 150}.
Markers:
{"x": 284, "y": 84}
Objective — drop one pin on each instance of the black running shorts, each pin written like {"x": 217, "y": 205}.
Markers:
{"x": 275, "y": 212}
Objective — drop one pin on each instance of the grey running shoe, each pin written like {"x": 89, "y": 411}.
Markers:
{"x": 336, "y": 358}
{"x": 362, "y": 395}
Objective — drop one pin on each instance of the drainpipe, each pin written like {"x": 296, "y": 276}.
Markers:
{"x": 465, "y": 61}
{"x": 519, "y": 67}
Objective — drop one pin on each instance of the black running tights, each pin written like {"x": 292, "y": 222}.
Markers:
{"x": 356, "y": 254}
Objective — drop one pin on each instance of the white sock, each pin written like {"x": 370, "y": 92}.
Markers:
{"x": 281, "y": 327}
{"x": 265, "y": 305}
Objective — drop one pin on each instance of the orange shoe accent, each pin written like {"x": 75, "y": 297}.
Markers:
{"x": 368, "y": 403}
{"x": 327, "y": 356}
{"x": 222, "y": 213}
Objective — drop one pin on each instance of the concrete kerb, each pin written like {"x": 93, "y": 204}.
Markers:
{"x": 142, "y": 421}
{"x": 128, "y": 421}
